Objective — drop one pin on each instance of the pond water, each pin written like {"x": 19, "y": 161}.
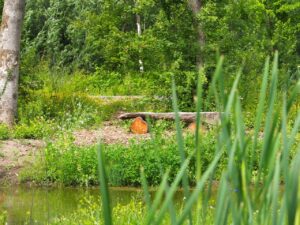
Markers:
{"x": 41, "y": 205}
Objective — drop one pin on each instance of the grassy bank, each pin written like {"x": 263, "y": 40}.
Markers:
{"x": 63, "y": 162}
{"x": 45, "y": 115}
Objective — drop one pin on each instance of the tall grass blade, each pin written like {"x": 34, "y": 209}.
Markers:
{"x": 157, "y": 199}
{"x": 271, "y": 121}
{"x": 104, "y": 188}
{"x": 282, "y": 212}
{"x": 263, "y": 190}
{"x": 291, "y": 196}
{"x": 285, "y": 160}
{"x": 145, "y": 189}
{"x": 197, "y": 141}
{"x": 259, "y": 111}
{"x": 171, "y": 208}
{"x": 294, "y": 132}
{"x": 178, "y": 127}
{"x": 232, "y": 94}
{"x": 171, "y": 192}
{"x": 275, "y": 191}
{"x": 214, "y": 89}
{"x": 297, "y": 219}
{"x": 293, "y": 96}
{"x": 240, "y": 136}
{"x": 199, "y": 187}
{"x": 222, "y": 208}
{"x": 185, "y": 181}
{"x": 198, "y": 125}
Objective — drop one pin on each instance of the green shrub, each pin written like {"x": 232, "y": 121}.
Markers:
{"x": 68, "y": 164}
{"x": 65, "y": 163}
{"x": 3, "y": 218}
{"x": 56, "y": 99}
{"x": 61, "y": 108}
{"x": 42, "y": 113}
{"x": 155, "y": 156}
{"x": 4, "y": 132}
{"x": 35, "y": 129}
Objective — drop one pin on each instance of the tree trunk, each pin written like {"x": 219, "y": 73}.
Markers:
{"x": 10, "y": 37}
{"x": 139, "y": 31}
{"x": 196, "y": 6}
{"x": 188, "y": 117}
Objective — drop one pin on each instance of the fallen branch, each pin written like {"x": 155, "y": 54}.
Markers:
{"x": 119, "y": 97}
{"x": 188, "y": 117}
{"x": 127, "y": 97}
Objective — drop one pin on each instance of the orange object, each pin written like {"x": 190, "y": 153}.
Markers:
{"x": 192, "y": 128}
{"x": 139, "y": 126}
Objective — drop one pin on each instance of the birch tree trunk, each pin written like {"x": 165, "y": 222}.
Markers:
{"x": 10, "y": 37}
{"x": 196, "y": 6}
{"x": 139, "y": 31}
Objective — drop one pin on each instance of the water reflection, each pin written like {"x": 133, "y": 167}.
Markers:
{"x": 41, "y": 205}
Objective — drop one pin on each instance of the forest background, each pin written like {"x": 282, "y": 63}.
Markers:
{"x": 94, "y": 48}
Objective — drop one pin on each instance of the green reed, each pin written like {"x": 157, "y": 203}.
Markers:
{"x": 268, "y": 193}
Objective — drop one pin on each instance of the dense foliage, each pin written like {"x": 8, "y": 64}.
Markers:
{"x": 100, "y": 38}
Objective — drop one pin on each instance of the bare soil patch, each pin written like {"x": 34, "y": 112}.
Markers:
{"x": 14, "y": 155}
{"x": 108, "y": 134}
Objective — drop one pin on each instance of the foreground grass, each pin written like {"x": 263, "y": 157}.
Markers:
{"x": 90, "y": 212}
{"x": 259, "y": 203}
{"x": 3, "y": 217}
